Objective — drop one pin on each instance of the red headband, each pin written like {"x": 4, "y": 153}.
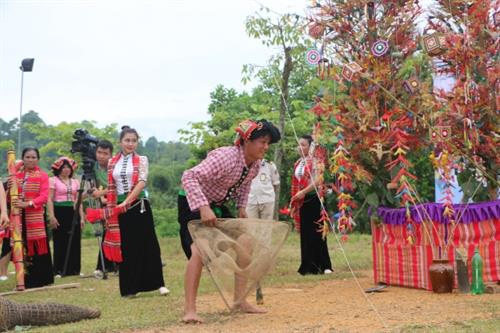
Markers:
{"x": 60, "y": 161}
{"x": 245, "y": 130}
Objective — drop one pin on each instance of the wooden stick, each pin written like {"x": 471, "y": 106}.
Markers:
{"x": 60, "y": 286}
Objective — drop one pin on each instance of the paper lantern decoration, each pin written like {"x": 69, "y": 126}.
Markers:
{"x": 316, "y": 30}
{"x": 380, "y": 47}
{"x": 324, "y": 69}
{"x": 411, "y": 85}
{"x": 440, "y": 133}
{"x": 350, "y": 70}
{"x": 313, "y": 57}
{"x": 434, "y": 44}
{"x": 471, "y": 91}
{"x": 370, "y": 10}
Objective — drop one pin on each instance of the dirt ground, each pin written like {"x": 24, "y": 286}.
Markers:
{"x": 339, "y": 306}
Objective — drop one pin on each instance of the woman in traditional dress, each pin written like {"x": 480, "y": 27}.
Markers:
{"x": 33, "y": 187}
{"x": 4, "y": 224}
{"x": 63, "y": 193}
{"x": 306, "y": 210}
{"x": 131, "y": 239}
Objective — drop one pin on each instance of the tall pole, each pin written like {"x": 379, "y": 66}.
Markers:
{"x": 20, "y": 117}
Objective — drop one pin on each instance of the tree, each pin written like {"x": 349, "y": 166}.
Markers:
{"x": 376, "y": 100}
{"x": 151, "y": 148}
{"x": 282, "y": 31}
{"x": 54, "y": 141}
{"x": 469, "y": 53}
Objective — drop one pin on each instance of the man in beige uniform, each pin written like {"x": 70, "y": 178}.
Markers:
{"x": 262, "y": 192}
{"x": 261, "y": 200}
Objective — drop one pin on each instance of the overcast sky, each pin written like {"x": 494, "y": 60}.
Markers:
{"x": 148, "y": 64}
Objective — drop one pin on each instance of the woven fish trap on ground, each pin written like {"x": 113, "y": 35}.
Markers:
{"x": 13, "y": 314}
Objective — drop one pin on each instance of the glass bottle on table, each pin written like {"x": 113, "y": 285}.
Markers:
{"x": 477, "y": 287}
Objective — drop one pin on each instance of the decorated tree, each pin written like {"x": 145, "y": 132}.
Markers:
{"x": 463, "y": 39}
{"x": 376, "y": 99}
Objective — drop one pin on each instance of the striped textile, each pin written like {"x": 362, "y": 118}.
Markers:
{"x": 396, "y": 262}
{"x": 112, "y": 241}
{"x": 34, "y": 186}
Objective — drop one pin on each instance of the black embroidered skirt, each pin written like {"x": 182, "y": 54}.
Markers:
{"x": 313, "y": 249}
{"x": 141, "y": 268}
{"x": 185, "y": 215}
{"x": 61, "y": 236}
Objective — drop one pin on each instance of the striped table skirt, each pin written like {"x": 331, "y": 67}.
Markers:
{"x": 396, "y": 261}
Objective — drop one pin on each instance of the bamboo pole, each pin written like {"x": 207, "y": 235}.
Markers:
{"x": 16, "y": 227}
{"x": 60, "y": 286}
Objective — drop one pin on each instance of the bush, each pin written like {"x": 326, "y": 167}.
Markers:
{"x": 166, "y": 222}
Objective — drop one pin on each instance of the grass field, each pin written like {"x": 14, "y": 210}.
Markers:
{"x": 150, "y": 310}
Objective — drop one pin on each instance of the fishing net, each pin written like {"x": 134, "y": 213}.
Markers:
{"x": 238, "y": 253}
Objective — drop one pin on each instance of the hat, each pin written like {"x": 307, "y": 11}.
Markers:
{"x": 60, "y": 161}
{"x": 250, "y": 130}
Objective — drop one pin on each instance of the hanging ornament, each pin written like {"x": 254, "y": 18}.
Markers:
{"x": 496, "y": 18}
{"x": 312, "y": 57}
{"x": 370, "y": 10}
{"x": 470, "y": 91}
{"x": 497, "y": 88}
{"x": 380, "y": 47}
{"x": 316, "y": 30}
{"x": 350, "y": 70}
{"x": 324, "y": 69}
{"x": 412, "y": 85}
{"x": 434, "y": 44}
{"x": 440, "y": 133}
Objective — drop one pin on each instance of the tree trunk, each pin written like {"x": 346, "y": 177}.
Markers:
{"x": 278, "y": 153}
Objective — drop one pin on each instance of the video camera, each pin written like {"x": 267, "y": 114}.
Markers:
{"x": 86, "y": 145}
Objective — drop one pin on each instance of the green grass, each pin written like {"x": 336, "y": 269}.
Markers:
{"x": 469, "y": 326}
{"x": 151, "y": 310}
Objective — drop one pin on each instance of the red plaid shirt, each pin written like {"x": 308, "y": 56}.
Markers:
{"x": 210, "y": 180}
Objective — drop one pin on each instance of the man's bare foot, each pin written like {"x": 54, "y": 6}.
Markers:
{"x": 191, "y": 318}
{"x": 248, "y": 308}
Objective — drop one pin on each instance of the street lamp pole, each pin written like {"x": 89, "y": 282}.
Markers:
{"x": 26, "y": 66}
{"x": 20, "y": 117}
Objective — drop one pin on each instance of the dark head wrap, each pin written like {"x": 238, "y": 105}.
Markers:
{"x": 251, "y": 130}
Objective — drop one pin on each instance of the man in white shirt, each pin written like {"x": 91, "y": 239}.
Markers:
{"x": 262, "y": 192}
{"x": 261, "y": 201}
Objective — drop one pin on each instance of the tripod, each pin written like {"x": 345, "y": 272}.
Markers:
{"x": 89, "y": 179}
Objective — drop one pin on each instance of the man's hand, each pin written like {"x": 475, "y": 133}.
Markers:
{"x": 4, "y": 220}
{"x": 242, "y": 213}
{"x": 207, "y": 216}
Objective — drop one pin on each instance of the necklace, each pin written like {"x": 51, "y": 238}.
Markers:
{"x": 69, "y": 190}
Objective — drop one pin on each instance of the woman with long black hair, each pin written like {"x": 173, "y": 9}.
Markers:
{"x": 306, "y": 210}
{"x": 130, "y": 236}
{"x": 63, "y": 193}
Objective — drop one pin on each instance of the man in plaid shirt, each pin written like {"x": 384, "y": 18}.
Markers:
{"x": 225, "y": 174}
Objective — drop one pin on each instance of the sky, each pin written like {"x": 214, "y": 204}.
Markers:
{"x": 150, "y": 64}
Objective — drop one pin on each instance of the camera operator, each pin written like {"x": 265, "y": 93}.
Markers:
{"x": 104, "y": 153}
